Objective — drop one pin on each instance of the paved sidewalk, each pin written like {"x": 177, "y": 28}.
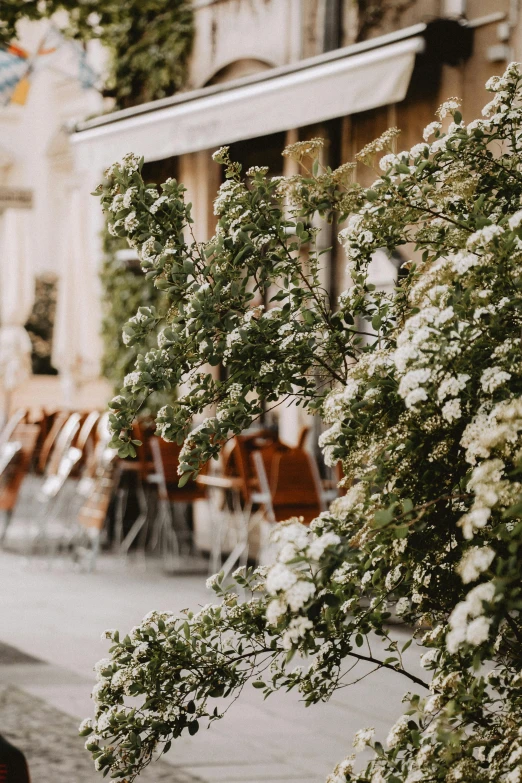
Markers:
{"x": 57, "y": 615}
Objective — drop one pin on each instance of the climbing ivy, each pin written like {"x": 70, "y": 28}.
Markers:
{"x": 124, "y": 290}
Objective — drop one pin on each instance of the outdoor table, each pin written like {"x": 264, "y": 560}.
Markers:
{"x": 216, "y": 485}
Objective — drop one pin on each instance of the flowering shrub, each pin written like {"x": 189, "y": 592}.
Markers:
{"x": 425, "y": 416}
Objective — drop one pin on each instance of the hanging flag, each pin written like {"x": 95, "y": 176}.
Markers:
{"x": 65, "y": 56}
{"x": 15, "y": 64}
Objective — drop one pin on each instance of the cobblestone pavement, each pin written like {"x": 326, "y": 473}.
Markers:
{"x": 50, "y": 742}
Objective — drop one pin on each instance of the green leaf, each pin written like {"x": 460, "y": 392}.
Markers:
{"x": 383, "y": 517}
{"x": 513, "y": 511}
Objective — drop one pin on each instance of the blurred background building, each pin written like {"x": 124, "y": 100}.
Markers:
{"x": 257, "y": 74}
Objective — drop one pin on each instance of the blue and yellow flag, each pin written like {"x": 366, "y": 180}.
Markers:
{"x": 15, "y": 64}
{"x": 60, "y": 54}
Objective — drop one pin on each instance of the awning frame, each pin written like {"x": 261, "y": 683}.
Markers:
{"x": 274, "y": 73}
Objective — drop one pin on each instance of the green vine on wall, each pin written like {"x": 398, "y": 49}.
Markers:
{"x": 371, "y": 14}
{"x": 124, "y": 291}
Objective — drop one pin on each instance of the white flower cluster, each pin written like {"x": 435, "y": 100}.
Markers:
{"x": 296, "y": 630}
{"x": 291, "y": 584}
{"x": 467, "y": 622}
{"x": 397, "y": 732}
{"x": 362, "y": 738}
{"x": 487, "y": 484}
{"x": 474, "y": 561}
{"x": 341, "y": 771}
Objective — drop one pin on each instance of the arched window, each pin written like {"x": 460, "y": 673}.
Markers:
{"x": 238, "y": 69}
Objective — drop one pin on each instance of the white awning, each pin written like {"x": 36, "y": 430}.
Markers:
{"x": 341, "y": 83}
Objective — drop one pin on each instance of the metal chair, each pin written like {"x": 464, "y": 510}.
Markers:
{"x": 12, "y": 423}
{"x": 58, "y": 420}
{"x": 60, "y": 462}
{"x": 21, "y": 445}
{"x": 95, "y": 488}
{"x": 233, "y": 495}
{"x": 85, "y": 441}
{"x": 166, "y": 460}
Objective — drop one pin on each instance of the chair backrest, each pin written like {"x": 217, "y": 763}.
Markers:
{"x": 11, "y": 424}
{"x": 166, "y": 460}
{"x": 59, "y": 419}
{"x": 238, "y": 457}
{"x": 93, "y": 511}
{"x": 87, "y": 431}
{"x": 62, "y": 443}
{"x": 290, "y": 484}
{"x": 26, "y": 435}
{"x": 85, "y": 440}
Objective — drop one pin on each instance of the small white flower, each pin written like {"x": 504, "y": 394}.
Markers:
{"x": 515, "y": 221}
{"x": 493, "y": 377}
{"x": 275, "y": 610}
{"x": 428, "y": 658}
{"x": 474, "y": 561}
{"x": 451, "y": 411}
{"x": 296, "y": 630}
{"x": 299, "y": 594}
{"x": 362, "y": 738}
{"x": 448, "y": 107}
{"x": 478, "y": 631}
{"x": 402, "y": 606}
{"x": 85, "y": 724}
{"x": 398, "y": 732}
{"x": 280, "y": 577}
{"x": 430, "y": 130}
{"x": 212, "y": 581}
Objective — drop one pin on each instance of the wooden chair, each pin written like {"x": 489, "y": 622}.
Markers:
{"x": 166, "y": 460}
{"x": 96, "y": 487}
{"x": 238, "y": 462}
{"x": 58, "y": 420}
{"x": 26, "y": 436}
{"x": 85, "y": 441}
{"x": 60, "y": 461}
{"x": 233, "y": 495}
{"x": 12, "y": 423}
{"x": 290, "y": 485}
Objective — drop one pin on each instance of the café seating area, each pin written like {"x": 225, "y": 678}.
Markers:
{"x": 80, "y": 498}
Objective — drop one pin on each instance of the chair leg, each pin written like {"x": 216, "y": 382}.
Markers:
{"x": 141, "y": 520}
{"x": 8, "y": 516}
{"x": 168, "y": 538}
{"x": 217, "y": 521}
{"x": 95, "y": 550}
{"x": 122, "y": 496}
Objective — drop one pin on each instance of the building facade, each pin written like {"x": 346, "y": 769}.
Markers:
{"x": 263, "y": 73}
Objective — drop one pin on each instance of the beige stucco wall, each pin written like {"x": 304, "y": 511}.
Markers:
{"x": 226, "y": 32}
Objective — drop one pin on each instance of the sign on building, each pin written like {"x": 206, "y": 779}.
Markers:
{"x": 15, "y": 198}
